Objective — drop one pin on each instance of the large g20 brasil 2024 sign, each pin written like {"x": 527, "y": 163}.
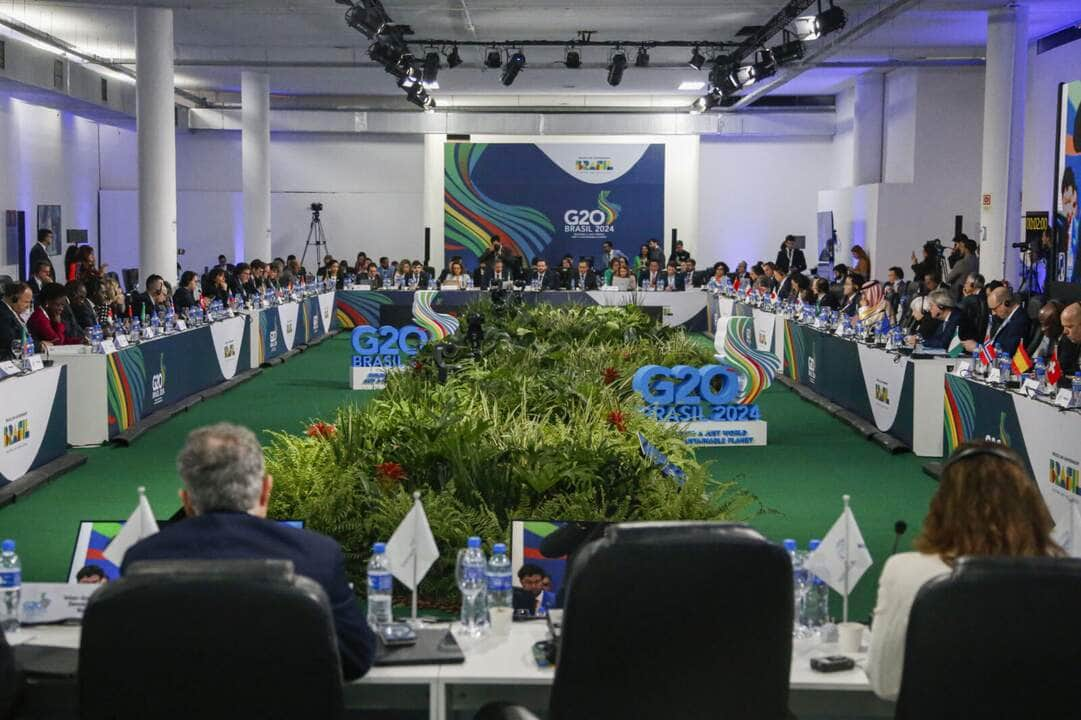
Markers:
{"x": 714, "y": 404}
{"x": 553, "y": 199}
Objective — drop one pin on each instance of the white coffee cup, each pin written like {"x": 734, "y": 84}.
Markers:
{"x": 850, "y": 637}
{"x": 501, "y": 618}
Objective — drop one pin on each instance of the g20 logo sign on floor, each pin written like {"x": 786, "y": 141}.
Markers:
{"x": 378, "y": 349}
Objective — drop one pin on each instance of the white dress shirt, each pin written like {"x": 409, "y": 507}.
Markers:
{"x": 902, "y": 577}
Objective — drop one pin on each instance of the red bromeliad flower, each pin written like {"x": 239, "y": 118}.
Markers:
{"x": 610, "y": 375}
{"x": 418, "y": 366}
{"x": 616, "y": 419}
{"x": 321, "y": 429}
{"x": 389, "y": 473}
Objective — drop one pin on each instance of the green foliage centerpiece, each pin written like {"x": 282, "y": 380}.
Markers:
{"x": 539, "y": 423}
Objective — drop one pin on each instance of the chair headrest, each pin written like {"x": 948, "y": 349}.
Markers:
{"x": 662, "y": 532}
{"x": 268, "y": 571}
{"x": 971, "y": 569}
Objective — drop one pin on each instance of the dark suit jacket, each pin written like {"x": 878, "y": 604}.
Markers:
{"x": 490, "y": 277}
{"x": 36, "y": 286}
{"x": 141, "y": 301}
{"x": 38, "y": 253}
{"x": 183, "y": 300}
{"x": 676, "y": 283}
{"x": 799, "y": 263}
{"x": 234, "y": 536}
{"x": 11, "y": 328}
{"x": 1068, "y": 354}
{"x": 973, "y": 324}
{"x": 376, "y": 282}
{"x": 944, "y": 334}
{"x": 574, "y": 280}
{"x": 549, "y": 280}
{"x": 1012, "y": 332}
{"x": 643, "y": 279}
{"x": 420, "y": 282}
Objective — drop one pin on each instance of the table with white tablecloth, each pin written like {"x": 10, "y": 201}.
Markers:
{"x": 33, "y": 419}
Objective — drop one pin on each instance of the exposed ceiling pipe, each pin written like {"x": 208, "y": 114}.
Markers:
{"x": 67, "y": 48}
{"x": 823, "y": 49}
{"x": 468, "y": 20}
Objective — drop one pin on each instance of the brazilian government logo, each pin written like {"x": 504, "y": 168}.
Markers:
{"x": 16, "y": 431}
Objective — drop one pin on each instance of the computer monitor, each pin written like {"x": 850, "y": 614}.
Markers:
{"x": 526, "y": 537}
{"x": 94, "y": 536}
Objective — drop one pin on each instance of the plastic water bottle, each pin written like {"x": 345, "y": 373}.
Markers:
{"x": 799, "y": 586}
{"x": 472, "y": 568}
{"x": 155, "y": 325}
{"x": 11, "y": 583}
{"x": 1075, "y": 390}
{"x": 816, "y": 603}
{"x": 499, "y": 579}
{"x": 1042, "y": 387}
{"x": 380, "y": 587}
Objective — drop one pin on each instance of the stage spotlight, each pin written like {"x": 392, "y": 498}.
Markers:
{"x": 830, "y": 20}
{"x": 407, "y": 78}
{"x": 697, "y": 59}
{"x": 788, "y": 51}
{"x": 514, "y": 65}
{"x": 430, "y": 72}
{"x": 765, "y": 65}
{"x": 453, "y": 58}
{"x": 642, "y": 58}
{"x": 574, "y": 58}
{"x": 421, "y": 99}
{"x": 616, "y": 66}
{"x": 706, "y": 103}
{"x": 494, "y": 59}
{"x": 730, "y": 79}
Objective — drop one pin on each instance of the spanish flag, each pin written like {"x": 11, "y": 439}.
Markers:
{"x": 1022, "y": 361}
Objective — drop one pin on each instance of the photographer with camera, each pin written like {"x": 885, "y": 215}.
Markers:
{"x": 932, "y": 262}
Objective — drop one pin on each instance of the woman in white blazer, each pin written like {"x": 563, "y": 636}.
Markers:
{"x": 986, "y": 504}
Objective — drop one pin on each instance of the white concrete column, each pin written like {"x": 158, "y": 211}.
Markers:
{"x": 1003, "y": 140}
{"x": 156, "y": 126}
{"x": 434, "y": 204}
{"x": 867, "y": 129}
{"x": 255, "y": 160}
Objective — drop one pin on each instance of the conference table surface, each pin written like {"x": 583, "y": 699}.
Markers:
{"x": 500, "y": 663}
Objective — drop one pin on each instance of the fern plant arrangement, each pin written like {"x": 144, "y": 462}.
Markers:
{"x": 539, "y": 423}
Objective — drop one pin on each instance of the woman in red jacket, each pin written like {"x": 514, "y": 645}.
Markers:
{"x": 45, "y": 323}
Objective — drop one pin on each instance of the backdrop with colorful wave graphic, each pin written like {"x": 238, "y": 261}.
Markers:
{"x": 552, "y": 199}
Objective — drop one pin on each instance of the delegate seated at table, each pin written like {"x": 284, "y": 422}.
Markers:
{"x": 373, "y": 279}
{"x": 531, "y": 596}
{"x": 583, "y": 278}
{"x": 498, "y": 275}
{"x": 623, "y": 280}
{"x": 15, "y": 309}
{"x": 653, "y": 278}
{"x": 184, "y": 297}
{"x": 673, "y": 281}
{"x": 417, "y": 279}
{"x": 980, "y": 481}
{"x": 46, "y": 323}
{"x": 544, "y": 277}
{"x": 225, "y": 494}
{"x": 944, "y": 310}
{"x": 1009, "y": 323}
{"x": 1069, "y": 345}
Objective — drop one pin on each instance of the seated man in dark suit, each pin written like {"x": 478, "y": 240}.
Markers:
{"x": 153, "y": 300}
{"x": 583, "y": 278}
{"x": 225, "y": 494}
{"x": 1069, "y": 345}
{"x": 1012, "y": 321}
{"x": 498, "y": 275}
{"x": 545, "y": 277}
{"x": 531, "y": 597}
{"x": 15, "y": 307}
{"x": 673, "y": 280}
{"x": 943, "y": 309}
{"x": 42, "y": 276}
{"x": 373, "y": 279}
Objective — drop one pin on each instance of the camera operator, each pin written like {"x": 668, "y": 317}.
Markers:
{"x": 932, "y": 260}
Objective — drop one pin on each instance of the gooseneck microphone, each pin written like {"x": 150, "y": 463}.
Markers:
{"x": 899, "y": 529}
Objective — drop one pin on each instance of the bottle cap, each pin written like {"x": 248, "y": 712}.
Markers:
{"x": 8, "y": 546}
{"x": 499, "y": 548}
{"x": 473, "y": 542}
{"x": 813, "y": 545}
{"x": 379, "y": 548}
{"x": 790, "y": 544}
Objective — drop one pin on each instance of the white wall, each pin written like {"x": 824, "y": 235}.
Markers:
{"x": 370, "y": 186}
{"x": 47, "y": 157}
{"x": 751, "y": 193}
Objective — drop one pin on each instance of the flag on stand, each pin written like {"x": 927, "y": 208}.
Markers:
{"x": 842, "y": 547}
{"x": 411, "y": 550}
{"x": 987, "y": 354}
{"x": 140, "y": 525}
{"x": 735, "y": 285}
{"x": 1022, "y": 361}
{"x": 1054, "y": 369}
{"x": 956, "y": 347}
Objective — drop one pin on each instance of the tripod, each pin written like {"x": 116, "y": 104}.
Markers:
{"x": 317, "y": 238}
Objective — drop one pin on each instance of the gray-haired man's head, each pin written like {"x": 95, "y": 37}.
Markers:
{"x": 222, "y": 469}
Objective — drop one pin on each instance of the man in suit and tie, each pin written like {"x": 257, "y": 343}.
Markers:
{"x": 40, "y": 252}
{"x": 652, "y": 279}
{"x": 789, "y": 257}
{"x": 944, "y": 310}
{"x": 417, "y": 279}
{"x": 1010, "y": 323}
{"x": 498, "y": 275}
{"x": 583, "y": 279}
{"x": 545, "y": 277}
{"x": 673, "y": 280}
{"x": 225, "y": 494}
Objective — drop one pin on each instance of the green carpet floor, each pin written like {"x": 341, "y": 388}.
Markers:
{"x": 811, "y": 460}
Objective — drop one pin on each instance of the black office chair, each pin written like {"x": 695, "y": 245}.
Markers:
{"x": 673, "y": 620}
{"x": 997, "y": 638}
{"x": 203, "y": 639}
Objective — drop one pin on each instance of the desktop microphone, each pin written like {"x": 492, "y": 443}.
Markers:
{"x": 899, "y": 529}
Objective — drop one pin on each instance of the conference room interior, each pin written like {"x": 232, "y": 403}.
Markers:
{"x": 739, "y": 340}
